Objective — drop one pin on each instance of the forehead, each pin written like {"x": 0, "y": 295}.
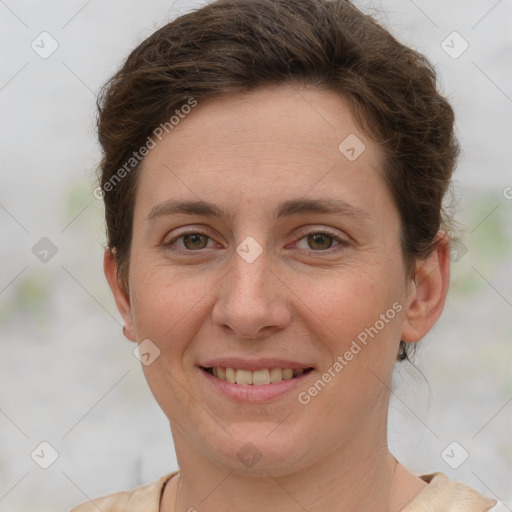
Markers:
{"x": 262, "y": 146}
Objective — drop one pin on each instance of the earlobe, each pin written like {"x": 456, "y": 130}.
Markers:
{"x": 121, "y": 295}
{"x": 427, "y": 296}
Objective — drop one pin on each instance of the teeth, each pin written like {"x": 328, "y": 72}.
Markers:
{"x": 243, "y": 377}
{"x": 256, "y": 378}
{"x": 276, "y": 375}
{"x": 230, "y": 375}
{"x": 287, "y": 374}
{"x": 260, "y": 377}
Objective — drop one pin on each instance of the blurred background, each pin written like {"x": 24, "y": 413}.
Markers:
{"x": 69, "y": 378}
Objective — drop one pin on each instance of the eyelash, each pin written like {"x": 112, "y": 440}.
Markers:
{"x": 342, "y": 244}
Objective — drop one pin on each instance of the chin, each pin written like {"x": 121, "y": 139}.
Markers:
{"x": 258, "y": 449}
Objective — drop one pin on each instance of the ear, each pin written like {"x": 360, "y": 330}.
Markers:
{"x": 121, "y": 295}
{"x": 427, "y": 294}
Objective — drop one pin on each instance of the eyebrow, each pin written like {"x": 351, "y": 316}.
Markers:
{"x": 287, "y": 208}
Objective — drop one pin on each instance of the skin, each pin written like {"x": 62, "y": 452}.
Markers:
{"x": 246, "y": 153}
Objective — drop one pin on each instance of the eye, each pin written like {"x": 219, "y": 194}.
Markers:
{"x": 192, "y": 240}
{"x": 321, "y": 241}
{"x": 317, "y": 241}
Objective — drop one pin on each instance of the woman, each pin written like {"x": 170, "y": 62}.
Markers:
{"x": 273, "y": 178}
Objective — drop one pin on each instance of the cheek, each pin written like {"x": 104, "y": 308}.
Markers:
{"x": 342, "y": 305}
{"x": 165, "y": 310}
{"x": 357, "y": 321}
{"x": 161, "y": 299}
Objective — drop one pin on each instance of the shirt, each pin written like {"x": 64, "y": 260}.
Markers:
{"x": 440, "y": 495}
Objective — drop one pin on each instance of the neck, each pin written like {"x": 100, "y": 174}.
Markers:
{"x": 360, "y": 476}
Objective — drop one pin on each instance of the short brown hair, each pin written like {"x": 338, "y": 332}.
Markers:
{"x": 231, "y": 46}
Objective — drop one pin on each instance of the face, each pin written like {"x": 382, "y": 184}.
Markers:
{"x": 262, "y": 247}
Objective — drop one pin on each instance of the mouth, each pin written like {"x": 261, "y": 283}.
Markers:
{"x": 261, "y": 377}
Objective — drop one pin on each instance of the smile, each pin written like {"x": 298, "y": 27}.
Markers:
{"x": 261, "y": 377}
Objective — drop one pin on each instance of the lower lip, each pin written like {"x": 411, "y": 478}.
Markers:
{"x": 251, "y": 393}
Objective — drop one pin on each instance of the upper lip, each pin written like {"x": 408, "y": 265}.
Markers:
{"x": 253, "y": 364}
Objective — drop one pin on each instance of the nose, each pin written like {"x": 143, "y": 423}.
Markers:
{"x": 252, "y": 300}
